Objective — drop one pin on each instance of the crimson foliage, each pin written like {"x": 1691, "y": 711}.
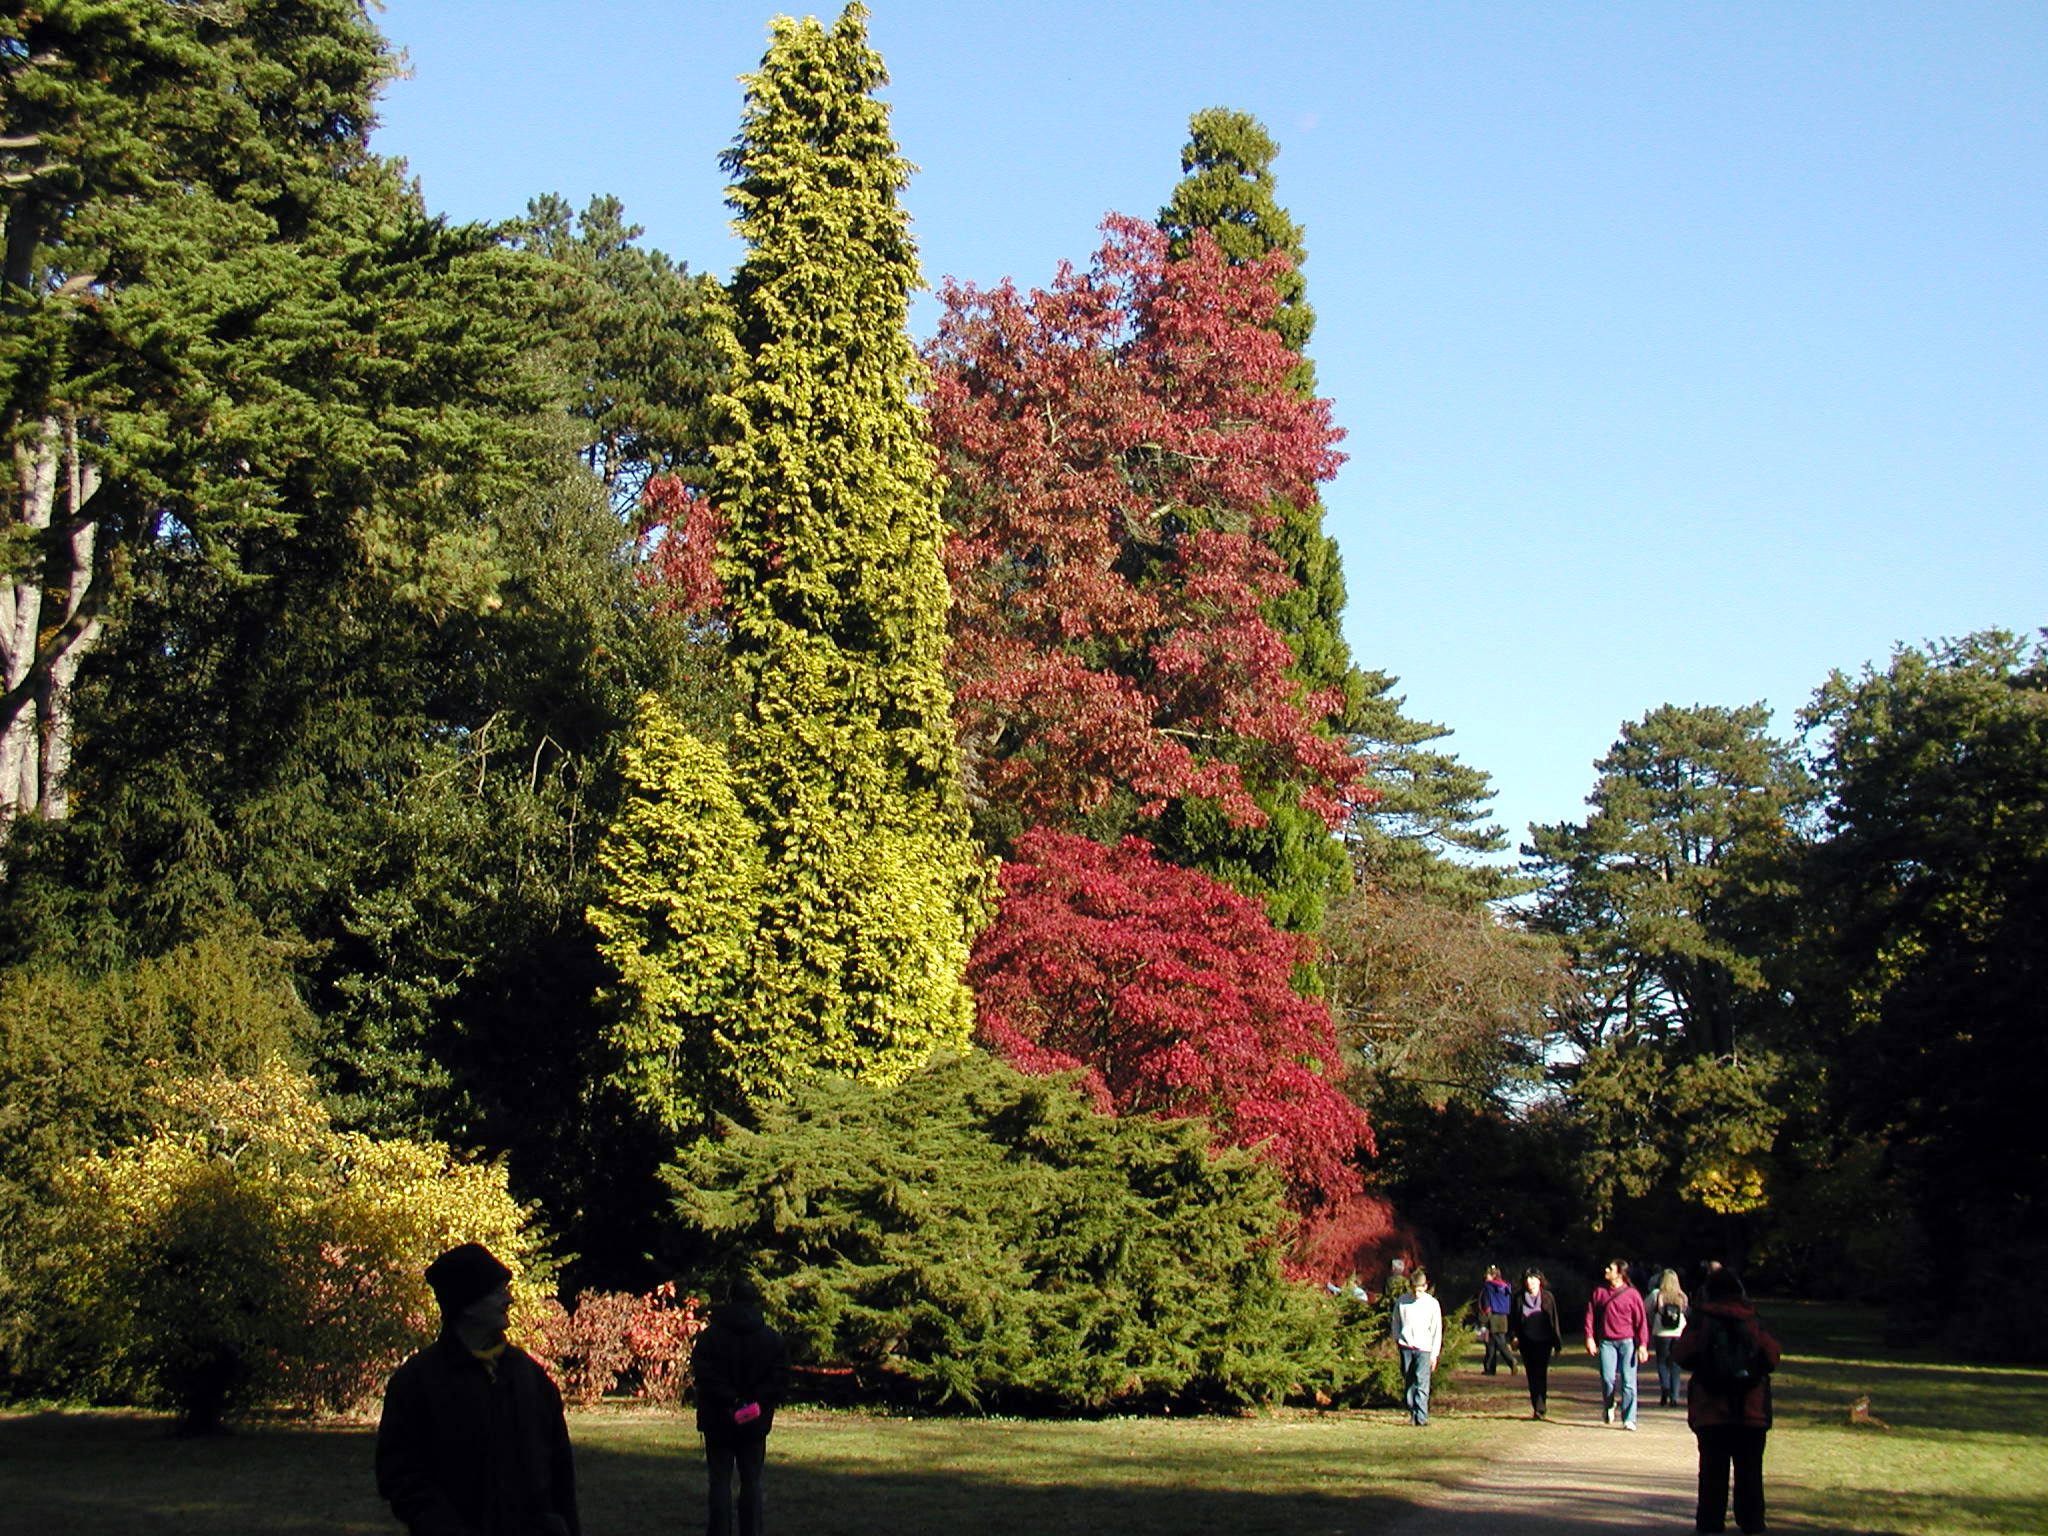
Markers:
{"x": 1114, "y": 448}
{"x": 1171, "y": 991}
{"x": 679, "y": 532}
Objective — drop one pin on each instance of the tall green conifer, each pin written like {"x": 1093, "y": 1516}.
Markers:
{"x": 1426, "y": 798}
{"x": 1227, "y": 189}
{"x": 1292, "y": 862}
{"x": 842, "y": 758}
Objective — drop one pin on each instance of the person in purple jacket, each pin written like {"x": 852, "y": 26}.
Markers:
{"x": 1618, "y": 1332}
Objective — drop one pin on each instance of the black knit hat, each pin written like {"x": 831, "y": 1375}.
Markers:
{"x": 463, "y": 1274}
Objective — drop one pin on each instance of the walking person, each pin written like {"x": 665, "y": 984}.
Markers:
{"x": 1668, "y": 1308}
{"x": 1533, "y": 1330}
{"x": 1618, "y": 1333}
{"x": 1419, "y": 1336}
{"x": 1728, "y": 1401}
{"x": 472, "y": 1438}
{"x": 741, "y": 1369}
{"x": 1494, "y": 1300}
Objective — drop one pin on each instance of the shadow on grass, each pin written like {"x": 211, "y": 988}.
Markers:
{"x": 1834, "y": 1356}
{"x": 1878, "y": 1514}
{"x": 124, "y": 1474}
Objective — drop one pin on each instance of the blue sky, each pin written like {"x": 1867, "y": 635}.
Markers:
{"x": 1687, "y": 351}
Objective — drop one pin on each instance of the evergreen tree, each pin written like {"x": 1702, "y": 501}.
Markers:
{"x": 1418, "y": 802}
{"x": 1426, "y": 826}
{"x": 636, "y": 337}
{"x": 180, "y": 280}
{"x": 1654, "y": 900}
{"x": 1649, "y": 893}
{"x": 1227, "y": 188}
{"x": 1925, "y": 968}
{"x": 1290, "y": 860}
{"x": 842, "y": 757}
{"x": 982, "y": 1238}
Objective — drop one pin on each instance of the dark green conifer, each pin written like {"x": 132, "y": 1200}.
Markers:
{"x": 1292, "y": 862}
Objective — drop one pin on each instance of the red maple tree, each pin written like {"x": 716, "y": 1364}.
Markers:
{"x": 678, "y": 533}
{"x": 1112, "y": 447}
{"x": 1171, "y": 992}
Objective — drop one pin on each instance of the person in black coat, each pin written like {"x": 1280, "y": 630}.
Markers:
{"x": 472, "y": 1441}
{"x": 1533, "y": 1332}
{"x": 741, "y": 1368}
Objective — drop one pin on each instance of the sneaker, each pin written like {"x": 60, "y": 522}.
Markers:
{"x": 1606, "y": 1415}
{"x": 1631, "y": 1424}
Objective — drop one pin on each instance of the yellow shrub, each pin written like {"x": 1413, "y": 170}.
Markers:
{"x": 246, "y": 1253}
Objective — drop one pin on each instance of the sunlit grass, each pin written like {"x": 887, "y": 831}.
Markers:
{"x": 1967, "y": 1452}
{"x": 1966, "y": 1449}
{"x": 640, "y": 1473}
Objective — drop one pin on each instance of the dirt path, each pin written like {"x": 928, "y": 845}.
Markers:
{"x": 1571, "y": 1473}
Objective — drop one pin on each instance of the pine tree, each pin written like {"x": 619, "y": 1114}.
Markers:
{"x": 842, "y": 757}
{"x": 162, "y": 170}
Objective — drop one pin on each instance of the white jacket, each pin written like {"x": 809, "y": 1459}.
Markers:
{"x": 1419, "y": 1324}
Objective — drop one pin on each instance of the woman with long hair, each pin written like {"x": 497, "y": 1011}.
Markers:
{"x": 1533, "y": 1333}
{"x": 1668, "y": 1308}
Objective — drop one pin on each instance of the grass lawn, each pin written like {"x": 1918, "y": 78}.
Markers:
{"x": 641, "y": 1473}
{"x": 1966, "y": 1451}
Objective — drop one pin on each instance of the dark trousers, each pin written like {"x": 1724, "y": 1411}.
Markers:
{"x": 1497, "y": 1351}
{"x": 1536, "y": 1360}
{"x": 1723, "y": 1448}
{"x": 721, "y": 1456}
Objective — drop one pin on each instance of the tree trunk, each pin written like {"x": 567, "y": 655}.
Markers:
{"x": 49, "y": 617}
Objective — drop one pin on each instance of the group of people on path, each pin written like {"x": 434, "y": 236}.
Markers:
{"x": 473, "y": 1441}
{"x": 1721, "y": 1343}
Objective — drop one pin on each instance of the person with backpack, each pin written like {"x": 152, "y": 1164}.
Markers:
{"x": 1667, "y": 1321}
{"x": 1728, "y": 1401}
{"x": 1533, "y": 1330}
{"x": 1618, "y": 1333}
{"x": 1494, "y": 1299}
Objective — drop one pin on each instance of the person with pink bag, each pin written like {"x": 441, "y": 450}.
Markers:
{"x": 741, "y": 1368}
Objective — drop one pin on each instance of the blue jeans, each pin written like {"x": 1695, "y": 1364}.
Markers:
{"x": 1667, "y": 1370}
{"x": 1415, "y": 1369}
{"x": 1618, "y": 1377}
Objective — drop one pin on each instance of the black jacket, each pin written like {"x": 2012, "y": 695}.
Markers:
{"x": 463, "y": 1453}
{"x": 1539, "y": 1327}
{"x": 738, "y": 1359}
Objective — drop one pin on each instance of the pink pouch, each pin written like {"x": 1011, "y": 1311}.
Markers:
{"x": 746, "y": 1413}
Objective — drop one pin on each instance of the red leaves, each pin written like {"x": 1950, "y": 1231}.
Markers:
{"x": 1172, "y": 992}
{"x": 679, "y": 532}
{"x": 1113, "y": 446}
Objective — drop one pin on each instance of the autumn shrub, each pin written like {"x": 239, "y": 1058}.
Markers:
{"x": 983, "y": 1238}
{"x": 81, "y": 1051}
{"x": 245, "y": 1253}
{"x": 1172, "y": 994}
{"x": 616, "y": 1341}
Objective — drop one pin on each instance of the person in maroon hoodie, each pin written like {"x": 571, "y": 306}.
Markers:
{"x": 1728, "y": 1400}
{"x": 1618, "y": 1332}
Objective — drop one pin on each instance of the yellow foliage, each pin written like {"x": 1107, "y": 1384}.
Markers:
{"x": 247, "y": 1253}
{"x": 1728, "y": 1188}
